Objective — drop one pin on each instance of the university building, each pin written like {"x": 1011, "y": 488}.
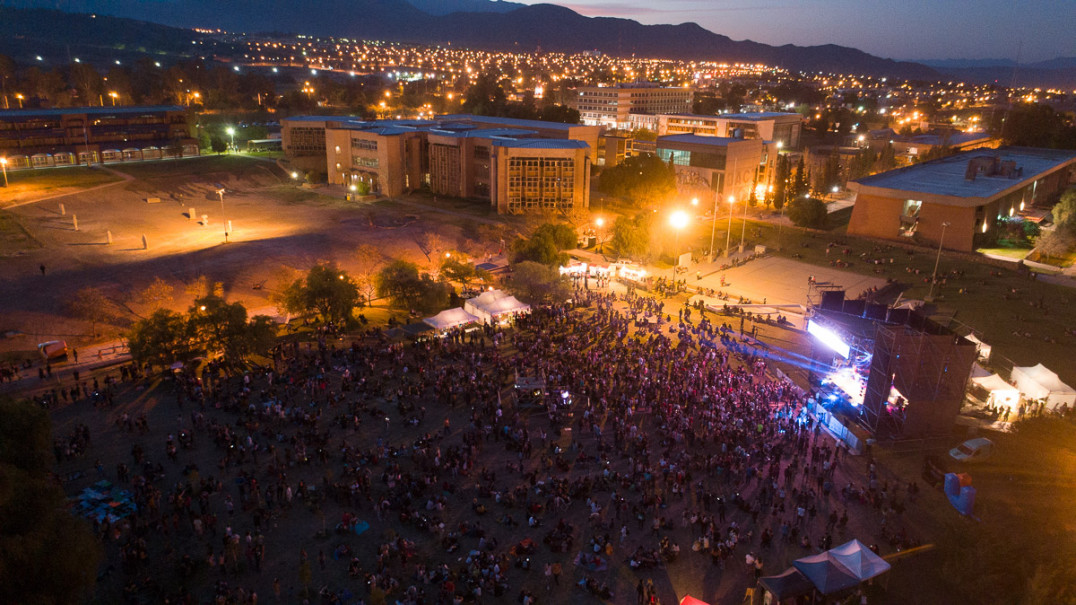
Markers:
{"x": 611, "y": 106}
{"x": 515, "y": 165}
{"x": 964, "y": 195}
{"x": 709, "y": 166}
{"x": 41, "y": 138}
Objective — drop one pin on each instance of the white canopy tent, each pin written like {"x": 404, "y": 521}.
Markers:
{"x": 983, "y": 348}
{"x": 1001, "y": 392}
{"x": 494, "y": 304}
{"x": 860, "y": 560}
{"x": 1038, "y": 382}
{"x": 450, "y": 318}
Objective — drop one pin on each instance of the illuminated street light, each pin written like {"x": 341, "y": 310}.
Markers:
{"x": 294, "y": 175}
{"x": 678, "y": 219}
{"x": 114, "y": 96}
{"x": 728, "y": 236}
{"x": 220, "y": 192}
{"x": 599, "y": 221}
{"x": 934, "y": 277}
{"x": 3, "y": 165}
{"x": 231, "y": 133}
{"x": 694, "y": 201}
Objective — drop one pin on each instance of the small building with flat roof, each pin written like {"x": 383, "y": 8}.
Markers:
{"x": 725, "y": 167}
{"x": 969, "y": 192}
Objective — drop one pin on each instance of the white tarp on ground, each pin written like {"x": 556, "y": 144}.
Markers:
{"x": 1038, "y": 382}
{"x": 490, "y": 305}
{"x": 1001, "y": 392}
{"x": 450, "y": 318}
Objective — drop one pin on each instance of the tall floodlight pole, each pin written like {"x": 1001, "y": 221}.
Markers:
{"x": 934, "y": 277}
{"x": 728, "y": 236}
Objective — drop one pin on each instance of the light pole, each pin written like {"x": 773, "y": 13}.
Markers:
{"x": 600, "y": 223}
{"x": 231, "y": 133}
{"x": 114, "y": 95}
{"x": 224, "y": 219}
{"x": 3, "y": 164}
{"x": 678, "y": 219}
{"x": 934, "y": 277}
{"x": 728, "y": 236}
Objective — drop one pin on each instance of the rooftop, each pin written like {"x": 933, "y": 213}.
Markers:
{"x": 484, "y": 133}
{"x": 465, "y": 117}
{"x": 756, "y": 116}
{"x": 697, "y": 139}
{"x": 15, "y": 114}
{"x": 541, "y": 143}
{"x": 947, "y": 176}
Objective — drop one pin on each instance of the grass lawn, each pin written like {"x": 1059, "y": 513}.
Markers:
{"x": 14, "y": 237}
{"x": 1014, "y": 253}
{"x": 234, "y": 164}
{"x": 24, "y": 184}
{"x": 1017, "y": 315}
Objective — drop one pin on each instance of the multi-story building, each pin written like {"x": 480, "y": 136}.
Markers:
{"x": 960, "y": 198}
{"x": 776, "y": 127}
{"x": 38, "y": 138}
{"x": 540, "y": 174}
{"x": 724, "y": 167}
{"x": 610, "y": 106}
{"x": 459, "y": 155}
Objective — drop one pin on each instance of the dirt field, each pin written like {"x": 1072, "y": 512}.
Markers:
{"x": 274, "y": 224}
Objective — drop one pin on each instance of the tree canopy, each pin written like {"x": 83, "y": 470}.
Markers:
{"x": 631, "y": 236}
{"x": 536, "y": 283}
{"x": 807, "y": 212}
{"x": 401, "y": 282}
{"x": 47, "y": 555}
{"x": 642, "y": 178}
{"x": 325, "y": 290}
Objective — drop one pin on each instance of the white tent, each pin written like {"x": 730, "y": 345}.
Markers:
{"x": 1038, "y": 382}
{"x": 476, "y": 305}
{"x": 507, "y": 306}
{"x": 1001, "y": 392}
{"x": 983, "y": 348}
{"x": 450, "y": 318}
{"x": 860, "y": 560}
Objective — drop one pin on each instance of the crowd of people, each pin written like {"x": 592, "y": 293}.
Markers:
{"x": 418, "y": 473}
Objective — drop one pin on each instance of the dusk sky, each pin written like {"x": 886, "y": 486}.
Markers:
{"x": 1028, "y": 30}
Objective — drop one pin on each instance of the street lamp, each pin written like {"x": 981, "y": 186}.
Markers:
{"x": 220, "y": 192}
{"x": 20, "y": 98}
{"x": 114, "y": 96}
{"x": 231, "y": 133}
{"x": 934, "y": 277}
{"x": 728, "y": 236}
{"x": 3, "y": 165}
{"x": 678, "y": 219}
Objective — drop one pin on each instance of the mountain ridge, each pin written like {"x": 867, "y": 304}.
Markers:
{"x": 527, "y": 28}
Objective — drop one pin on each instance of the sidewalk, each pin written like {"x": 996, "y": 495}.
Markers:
{"x": 90, "y": 358}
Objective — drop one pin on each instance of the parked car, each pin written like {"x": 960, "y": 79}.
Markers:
{"x": 53, "y": 349}
{"x": 973, "y": 450}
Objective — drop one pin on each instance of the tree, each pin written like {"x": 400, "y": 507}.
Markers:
{"x": 430, "y": 243}
{"x": 887, "y": 159}
{"x": 368, "y": 259}
{"x": 48, "y": 555}
{"x": 1057, "y": 243}
{"x": 807, "y": 212}
{"x": 90, "y": 304}
{"x": 156, "y": 295}
{"x": 799, "y": 181}
{"x": 1038, "y": 125}
{"x": 631, "y": 237}
{"x": 564, "y": 236}
{"x": 642, "y": 178}
{"x": 218, "y": 326}
{"x": 780, "y": 182}
{"x": 406, "y": 289}
{"x": 217, "y": 144}
{"x": 539, "y": 248}
{"x": 161, "y": 338}
{"x": 459, "y": 268}
{"x": 330, "y": 292}
{"x": 1064, "y": 211}
{"x": 536, "y": 283}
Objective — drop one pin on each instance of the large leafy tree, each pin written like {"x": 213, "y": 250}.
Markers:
{"x": 807, "y": 212}
{"x": 46, "y": 554}
{"x": 161, "y": 338}
{"x": 643, "y": 178}
{"x": 631, "y": 236}
{"x": 401, "y": 282}
{"x": 536, "y": 283}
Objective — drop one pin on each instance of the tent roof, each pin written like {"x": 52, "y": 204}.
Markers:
{"x": 1045, "y": 377}
{"x": 450, "y": 318}
{"x": 994, "y": 383}
{"x": 690, "y": 600}
{"x": 505, "y": 305}
{"x": 860, "y": 560}
{"x": 787, "y": 584}
{"x": 827, "y": 573}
